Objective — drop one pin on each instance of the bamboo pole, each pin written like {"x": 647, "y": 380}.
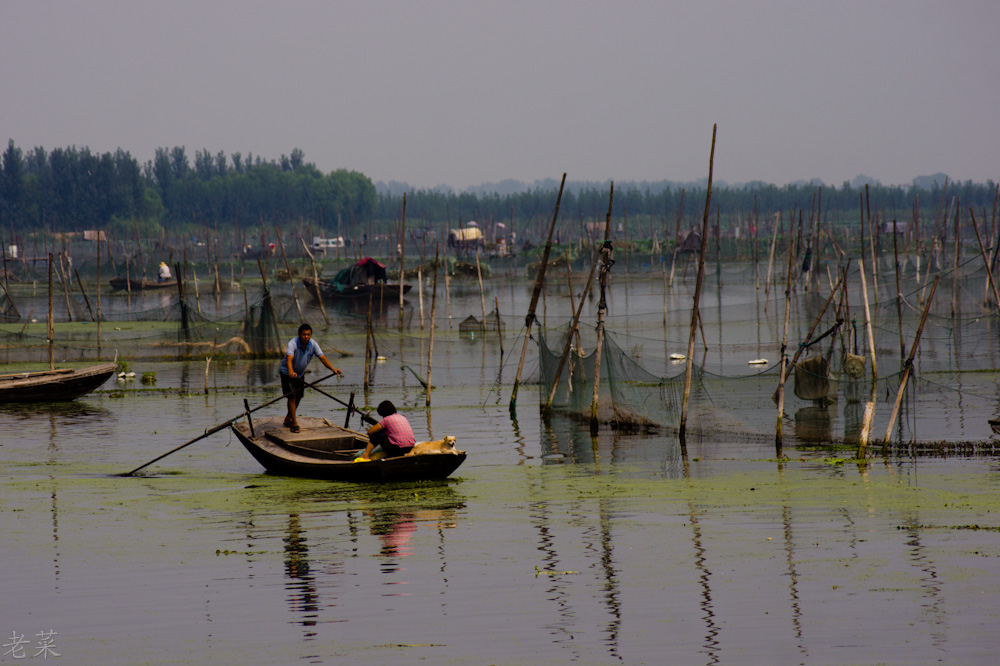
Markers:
{"x": 697, "y": 297}
{"x": 602, "y": 307}
{"x": 496, "y": 305}
{"x": 812, "y": 329}
{"x": 50, "y": 329}
{"x": 402, "y": 261}
{"x": 98, "y": 296}
{"x": 899, "y": 294}
{"x": 420, "y": 293}
{"x": 430, "y": 347}
{"x": 539, "y": 281}
{"x": 64, "y": 280}
{"x": 183, "y": 303}
{"x": 291, "y": 278}
{"x": 319, "y": 292}
{"x": 783, "y": 366}
{"x": 775, "y": 228}
{"x": 869, "y": 415}
{"x": 871, "y": 244}
{"x": 482, "y": 293}
{"x": 909, "y": 365}
{"x": 986, "y": 261}
{"x": 677, "y": 236}
{"x": 197, "y": 294}
{"x": 954, "y": 273}
{"x": 567, "y": 347}
{"x": 85, "y": 299}
{"x": 368, "y": 342}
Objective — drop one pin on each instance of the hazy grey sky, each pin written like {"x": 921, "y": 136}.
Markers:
{"x": 458, "y": 93}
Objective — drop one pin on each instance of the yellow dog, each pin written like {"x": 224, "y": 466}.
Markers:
{"x": 446, "y": 445}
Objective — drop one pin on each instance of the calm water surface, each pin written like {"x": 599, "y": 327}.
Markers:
{"x": 548, "y": 546}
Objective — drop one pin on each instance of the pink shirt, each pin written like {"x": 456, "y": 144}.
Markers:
{"x": 398, "y": 429}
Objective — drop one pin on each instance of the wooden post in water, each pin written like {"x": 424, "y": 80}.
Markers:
{"x": 567, "y": 347}
{"x": 602, "y": 307}
{"x": 539, "y": 281}
{"x": 291, "y": 278}
{"x": 677, "y": 237}
{"x": 496, "y": 305}
{"x": 871, "y": 244}
{"x": 986, "y": 261}
{"x": 899, "y": 294}
{"x": 689, "y": 371}
{"x": 319, "y": 291}
{"x": 954, "y": 273}
{"x": 402, "y": 260}
{"x": 98, "y": 296}
{"x": 85, "y": 299}
{"x": 482, "y": 292}
{"x": 775, "y": 228}
{"x": 908, "y": 366}
{"x": 64, "y": 279}
{"x": 430, "y": 348}
{"x": 783, "y": 366}
{"x": 197, "y": 294}
{"x": 50, "y": 329}
{"x": 869, "y": 415}
{"x": 368, "y": 344}
{"x": 180, "y": 292}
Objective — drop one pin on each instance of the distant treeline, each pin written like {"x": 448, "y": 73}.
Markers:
{"x": 71, "y": 189}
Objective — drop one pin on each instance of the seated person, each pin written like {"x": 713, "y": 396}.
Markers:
{"x": 393, "y": 433}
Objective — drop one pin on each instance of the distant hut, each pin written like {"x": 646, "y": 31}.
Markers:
{"x": 466, "y": 241}
{"x": 470, "y": 325}
{"x": 689, "y": 242}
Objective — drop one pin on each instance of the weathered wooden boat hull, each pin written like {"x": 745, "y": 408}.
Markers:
{"x": 121, "y": 284}
{"x": 55, "y": 386}
{"x": 324, "y": 451}
{"x": 331, "y": 293}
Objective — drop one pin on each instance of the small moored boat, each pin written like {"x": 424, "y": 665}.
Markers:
{"x": 53, "y": 385}
{"x": 322, "y": 450}
{"x": 122, "y": 284}
{"x": 365, "y": 277}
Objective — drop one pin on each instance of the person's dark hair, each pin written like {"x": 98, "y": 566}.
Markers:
{"x": 385, "y": 408}
{"x": 305, "y": 327}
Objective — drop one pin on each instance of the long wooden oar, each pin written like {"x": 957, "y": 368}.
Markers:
{"x": 365, "y": 416}
{"x": 228, "y": 423}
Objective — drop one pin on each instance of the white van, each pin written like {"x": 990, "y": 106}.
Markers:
{"x": 327, "y": 243}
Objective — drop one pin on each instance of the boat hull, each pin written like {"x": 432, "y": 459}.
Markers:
{"x": 322, "y": 451}
{"x": 57, "y": 386}
{"x": 121, "y": 284}
{"x": 331, "y": 293}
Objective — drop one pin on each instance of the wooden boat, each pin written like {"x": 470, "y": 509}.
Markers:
{"x": 365, "y": 277}
{"x": 53, "y": 385}
{"x": 333, "y": 292}
{"x": 994, "y": 425}
{"x": 121, "y": 284}
{"x": 322, "y": 450}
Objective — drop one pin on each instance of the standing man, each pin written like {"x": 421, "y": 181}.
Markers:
{"x": 299, "y": 352}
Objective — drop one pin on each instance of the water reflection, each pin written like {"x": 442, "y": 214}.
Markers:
{"x": 313, "y": 575}
{"x": 302, "y": 596}
{"x": 813, "y": 424}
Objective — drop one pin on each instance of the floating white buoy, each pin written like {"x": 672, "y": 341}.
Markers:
{"x": 758, "y": 361}
{"x": 380, "y": 359}
{"x": 677, "y": 357}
